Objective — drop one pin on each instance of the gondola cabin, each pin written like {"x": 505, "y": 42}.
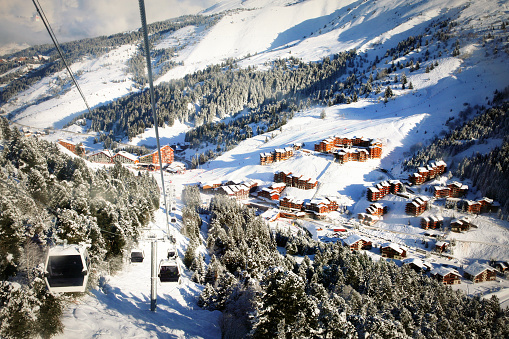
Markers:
{"x": 137, "y": 255}
{"x": 172, "y": 253}
{"x": 173, "y": 219}
{"x": 169, "y": 271}
{"x": 67, "y": 268}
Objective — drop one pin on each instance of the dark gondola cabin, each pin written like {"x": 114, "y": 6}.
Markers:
{"x": 169, "y": 271}
{"x": 67, "y": 268}
{"x": 172, "y": 253}
{"x": 137, "y": 255}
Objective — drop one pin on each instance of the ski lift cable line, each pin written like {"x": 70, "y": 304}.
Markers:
{"x": 53, "y": 37}
{"x": 152, "y": 100}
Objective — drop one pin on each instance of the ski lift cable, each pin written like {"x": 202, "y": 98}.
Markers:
{"x": 152, "y": 100}
{"x": 39, "y": 9}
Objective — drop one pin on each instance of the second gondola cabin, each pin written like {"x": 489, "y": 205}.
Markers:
{"x": 169, "y": 271}
{"x": 67, "y": 268}
{"x": 137, "y": 255}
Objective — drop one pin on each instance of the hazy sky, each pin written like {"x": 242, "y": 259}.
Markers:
{"x": 75, "y": 19}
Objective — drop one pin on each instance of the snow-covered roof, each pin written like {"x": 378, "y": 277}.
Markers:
{"x": 354, "y": 238}
{"x": 441, "y": 243}
{"x": 106, "y": 152}
{"x": 278, "y": 184}
{"x": 127, "y": 155}
{"x": 477, "y": 268}
{"x": 443, "y": 271}
{"x": 417, "y": 262}
{"x": 393, "y": 246}
{"x": 70, "y": 249}
{"x": 228, "y": 190}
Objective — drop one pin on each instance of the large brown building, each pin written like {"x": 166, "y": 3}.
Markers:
{"x": 167, "y": 156}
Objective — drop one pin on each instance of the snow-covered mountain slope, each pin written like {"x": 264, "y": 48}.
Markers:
{"x": 258, "y": 31}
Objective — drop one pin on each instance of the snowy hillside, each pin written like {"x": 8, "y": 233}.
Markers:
{"x": 255, "y": 33}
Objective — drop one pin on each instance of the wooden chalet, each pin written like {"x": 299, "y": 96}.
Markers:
{"x": 269, "y": 194}
{"x": 375, "y": 152}
{"x": 279, "y": 154}
{"x": 460, "y": 225}
{"x": 368, "y": 219}
{"x": 356, "y": 242}
{"x": 281, "y": 176}
{"x": 167, "y": 156}
{"x": 318, "y": 206}
{"x": 425, "y": 173}
{"x": 392, "y": 251}
{"x": 488, "y": 205}
{"x": 252, "y": 185}
{"x": 266, "y": 158}
{"x": 295, "y": 180}
{"x": 457, "y": 189}
{"x": 417, "y": 179}
{"x": 473, "y": 207}
{"x": 417, "y": 206}
{"x": 125, "y": 158}
{"x": 377, "y": 209}
{"x": 354, "y": 154}
{"x": 333, "y": 204}
{"x": 395, "y": 186}
{"x": 239, "y": 192}
{"x": 441, "y": 246}
{"x": 351, "y": 149}
{"x": 446, "y": 275}
{"x": 417, "y": 264}
{"x": 478, "y": 272}
{"x": 210, "y": 186}
{"x": 441, "y": 192}
{"x": 383, "y": 188}
{"x": 373, "y": 194}
{"x": 290, "y": 203}
{"x": 103, "y": 157}
{"x": 432, "y": 221}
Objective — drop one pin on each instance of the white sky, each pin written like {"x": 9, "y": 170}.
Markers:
{"x": 75, "y": 19}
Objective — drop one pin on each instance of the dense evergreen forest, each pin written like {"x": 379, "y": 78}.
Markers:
{"x": 338, "y": 294}
{"x": 267, "y": 100}
{"x": 488, "y": 172}
{"x": 48, "y": 196}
